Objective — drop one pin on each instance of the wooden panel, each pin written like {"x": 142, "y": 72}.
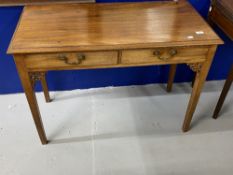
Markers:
{"x": 147, "y": 56}
{"x": 57, "y": 61}
{"x": 39, "y": 2}
{"x": 223, "y": 22}
{"x": 106, "y": 26}
{"x": 105, "y": 59}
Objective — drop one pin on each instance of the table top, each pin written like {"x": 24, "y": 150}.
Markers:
{"x": 108, "y": 26}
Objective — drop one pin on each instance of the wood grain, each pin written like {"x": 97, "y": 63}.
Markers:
{"x": 31, "y": 97}
{"x": 184, "y": 54}
{"x": 197, "y": 87}
{"x": 45, "y": 88}
{"x": 171, "y": 77}
{"x": 224, "y": 93}
{"x": 53, "y": 61}
{"x": 218, "y": 18}
{"x": 107, "y": 26}
{"x": 108, "y": 59}
{"x": 84, "y": 36}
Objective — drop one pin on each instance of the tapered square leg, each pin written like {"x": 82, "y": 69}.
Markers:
{"x": 40, "y": 76}
{"x": 224, "y": 93}
{"x": 201, "y": 70}
{"x": 171, "y": 77}
{"x": 192, "y": 83}
{"x": 28, "y": 86}
{"x": 45, "y": 87}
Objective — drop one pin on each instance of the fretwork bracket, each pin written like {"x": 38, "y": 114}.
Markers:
{"x": 36, "y": 76}
{"x": 195, "y": 67}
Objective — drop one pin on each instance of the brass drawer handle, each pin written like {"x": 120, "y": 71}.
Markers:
{"x": 78, "y": 60}
{"x": 172, "y": 52}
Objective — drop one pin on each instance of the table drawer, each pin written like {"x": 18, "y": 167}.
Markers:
{"x": 71, "y": 60}
{"x": 164, "y": 55}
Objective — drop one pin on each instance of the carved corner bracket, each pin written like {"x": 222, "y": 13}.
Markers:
{"x": 195, "y": 67}
{"x": 36, "y": 76}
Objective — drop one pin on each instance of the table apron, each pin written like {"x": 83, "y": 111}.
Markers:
{"x": 115, "y": 58}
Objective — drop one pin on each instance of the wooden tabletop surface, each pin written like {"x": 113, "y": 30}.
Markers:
{"x": 105, "y": 26}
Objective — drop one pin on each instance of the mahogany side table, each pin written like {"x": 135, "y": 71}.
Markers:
{"x": 109, "y": 35}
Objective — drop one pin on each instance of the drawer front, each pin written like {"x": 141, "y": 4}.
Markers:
{"x": 164, "y": 55}
{"x": 71, "y": 60}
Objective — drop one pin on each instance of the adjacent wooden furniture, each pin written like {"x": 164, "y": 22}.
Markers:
{"x": 85, "y": 36}
{"x": 221, "y": 14}
{"x": 224, "y": 93}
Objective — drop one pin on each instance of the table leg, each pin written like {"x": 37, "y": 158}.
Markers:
{"x": 201, "y": 70}
{"x": 45, "y": 87}
{"x": 172, "y": 73}
{"x": 224, "y": 93}
{"x": 40, "y": 76}
{"x": 193, "y": 80}
{"x": 28, "y": 86}
{"x": 209, "y": 18}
